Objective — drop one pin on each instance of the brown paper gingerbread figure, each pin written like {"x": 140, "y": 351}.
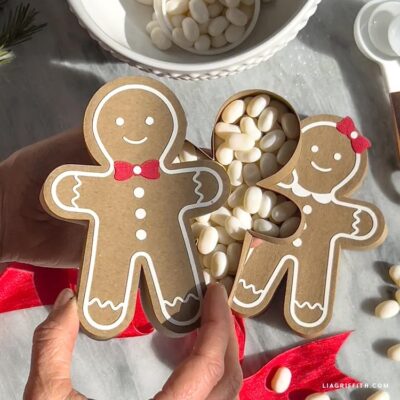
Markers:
{"x": 330, "y": 163}
{"x": 138, "y": 205}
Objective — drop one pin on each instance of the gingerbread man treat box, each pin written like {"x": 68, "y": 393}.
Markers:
{"x": 137, "y": 205}
{"x": 329, "y": 164}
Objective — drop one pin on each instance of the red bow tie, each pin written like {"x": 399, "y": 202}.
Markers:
{"x": 124, "y": 170}
{"x": 358, "y": 143}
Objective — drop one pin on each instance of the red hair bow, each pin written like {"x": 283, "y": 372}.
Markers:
{"x": 359, "y": 143}
{"x": 124, "y": 170}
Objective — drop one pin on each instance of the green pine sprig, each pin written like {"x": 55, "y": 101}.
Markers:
{"x": 18, "y": 27}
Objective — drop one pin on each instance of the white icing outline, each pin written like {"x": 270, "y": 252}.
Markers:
{"x": 323, "y": 198}
{"x": 130, "y": 141}
{"x": 74, "y": 208}
{"x": 320, "y": 169}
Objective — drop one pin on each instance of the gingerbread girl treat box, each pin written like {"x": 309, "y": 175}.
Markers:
{"x": 137, "y": 205}
{"x": 329, "y": 164}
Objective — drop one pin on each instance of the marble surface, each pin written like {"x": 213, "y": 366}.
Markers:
{"x": 45, "y": 91}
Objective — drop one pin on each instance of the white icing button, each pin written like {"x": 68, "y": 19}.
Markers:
{"x": 119, "y": 121}
{"x": 138, "y": 192}
{"x": 314, "y": 148}
{"x": 149, "y": 121}
{"x": 141, "y": 234}
{"x": 297, "y": 243}
{"x": 307, "y": 209}
{"x": 354, "y": 135}
{"x": 137, "y": 170}
{"x": 140, "y": 213}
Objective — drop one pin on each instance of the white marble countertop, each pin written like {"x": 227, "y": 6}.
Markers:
{"x": 45, "y": 91}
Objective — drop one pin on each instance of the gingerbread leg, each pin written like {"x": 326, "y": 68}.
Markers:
{"x": 107, "y": 296}
{"x": 179, "y": 312}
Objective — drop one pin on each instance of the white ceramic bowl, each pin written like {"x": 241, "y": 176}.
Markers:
{"x": 119, "y": 26}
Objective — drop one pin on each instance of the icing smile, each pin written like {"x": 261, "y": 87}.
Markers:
{"x": 135, "y": 141}
{"x": 318, "y": 168}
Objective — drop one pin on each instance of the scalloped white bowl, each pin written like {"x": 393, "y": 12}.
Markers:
{"x": 120, "y": 27}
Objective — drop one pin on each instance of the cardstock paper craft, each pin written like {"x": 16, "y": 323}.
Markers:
{"x": 138, "y": 205}
{"x": 328, "y": 165}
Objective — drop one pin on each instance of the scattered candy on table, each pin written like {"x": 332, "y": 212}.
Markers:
{"x": 380, "y": 395}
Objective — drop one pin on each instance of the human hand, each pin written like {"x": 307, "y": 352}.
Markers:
{"x": 212, "y": 371}
{"x": 28, "y": 233}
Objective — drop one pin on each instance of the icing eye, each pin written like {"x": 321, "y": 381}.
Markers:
{"x": 314, "y": 148}
{"x": 337, "y": 156}
{"x": 120, "y": 121}
{"x": 149, "y": 121}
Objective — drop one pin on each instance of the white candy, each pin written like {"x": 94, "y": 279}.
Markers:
{"x": 249, "y": 156}
{"x": 180, "y": 39}
{"x": 177, "y": 7}
{"x": 283, "y": 211}
{"x": 236, "y": 198}
{"x": 268, "y": 165}
{"x": 380, "y": 395}
{"x": 176, "y": 20}
{"x": 387, "y": 309}
{"x": 282, "y": 109}
{"x": 223, "y": 236}
{"x": 248, "y": 10}
{"x": 233, "y": 252}
{"x": 272, "y": 141}
{"x": 289, "y": 227}
{"x": 393, "y": 352}
{"x": 224, "y": 130}
{"x": 234, "y": 33}
{"x": 208, "y": 240}
{"x": 159, "y": 39}
{"x": 257, "y": 105}
{"x": 290, "y": 125}
{"x": 224, "y": 154}
{"x": 281, "y": 380}
{"x": 208, "y": 278}
{"x": 235, "y": 174}
{"x": 197, "y": 228}
{"x": 251, "y": 174}
{"x": 286, "y": 151}
{"x": 394, "y": 273}
{"x": 199, "y": 11}
{"x": 145, "y": 2}
{"x": 233, "y": 111}
{"x": 188, "y": 153}
{"x": 252, "y": 199}
{"x": 190, "y": 29}
{"x": 203, "y": 28}
{"x": 151, "y": 25}
{"x": 243, "y": 216}
{"x": 203, "y": 219}
{"x": 236, "y": 16}
{"x": 248, "y": 2}
{"x": 232, "y": 3}
{"x": 217, "y": 26}
{"x": 215, "y": 9}
{"x": 248, "y": 126}
{"x": 268, "y": 202}
{"x": 266, "y": 227}
{"x": 219, "y": 216}
{"x": 219, "y": 265}
{"x": 318, "y": 396}
{"x": 267, "y": 119}
{"x": 240, "y": 141}
{"x": 218, "y": 41}
{"x": 234, "y": 228}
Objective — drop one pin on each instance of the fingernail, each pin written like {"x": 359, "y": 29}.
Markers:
{"x": 63, "y": 298}
{"x": 222, "y": 290}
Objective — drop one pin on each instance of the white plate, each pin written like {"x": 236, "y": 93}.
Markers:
{"x": 119, "y": 26}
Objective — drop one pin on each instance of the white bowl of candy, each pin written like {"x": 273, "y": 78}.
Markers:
{"x": 193, "y": 39}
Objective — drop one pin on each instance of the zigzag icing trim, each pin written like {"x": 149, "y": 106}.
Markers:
{"x": 356, "y": 222}
{"x": 107, "y": 303}
{"x": 250, "y": 286}
{"x": 180, "y": 300}
{"x": 75, "y": 190}
{"x": 198, "y": 187}
{"x": 309, "y": 305}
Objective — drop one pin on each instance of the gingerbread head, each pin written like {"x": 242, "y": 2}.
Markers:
{"x": 138, "y": 205}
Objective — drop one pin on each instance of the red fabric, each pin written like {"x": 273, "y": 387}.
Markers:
{"x": 359, "y": 143}
{"x": 312, "y": 365}
{"x": 25, "y": 286}
{"x": 240, "y": 335}
{"x": 124, "y": 170}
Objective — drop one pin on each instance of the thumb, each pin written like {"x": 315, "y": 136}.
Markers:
{"x": 53, "y": 344}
